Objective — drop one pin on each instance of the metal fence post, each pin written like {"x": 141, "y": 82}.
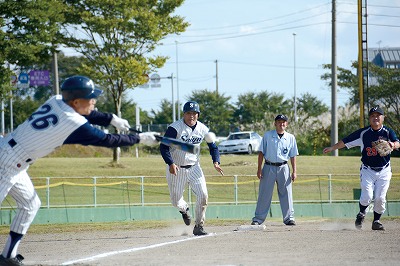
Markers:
{"x": 48, "y": 192}
{"x": 142, "y": 190}
{"x": 330, "y": 187}
{"x": 235, "y": 178}
{"x": 95, "y": 191}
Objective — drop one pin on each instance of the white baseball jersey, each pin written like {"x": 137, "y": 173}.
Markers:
{"x": 185, "y": 133}
{"x": 46, "y": 129}
{"x": 190, "y": 171}
{"x": 51, "y": 125}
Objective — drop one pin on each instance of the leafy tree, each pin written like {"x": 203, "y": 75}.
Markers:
{"x": 216, "y": 112}
{"x": 29, "y": 32}
{"x": 255, "y": 111}
{"x": 164, "y": 115}
{"x": 310, "y": 106}
{"x": 383, "y": 89}
{"x": 117, "y": 38}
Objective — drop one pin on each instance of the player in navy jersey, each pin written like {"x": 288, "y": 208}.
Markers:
{"x": 375, "y": 171}
{"x": 63, "y": 119}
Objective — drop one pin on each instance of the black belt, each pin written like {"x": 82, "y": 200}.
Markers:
{"x": 377, "y": 169}
{"x": 185, "y": 166}
{"x": 12, "y": 144}
{"x": 274, "y": 164}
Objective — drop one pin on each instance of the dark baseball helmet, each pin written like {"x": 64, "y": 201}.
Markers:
{"x": 79, "y": 87}
{"x": 191, "y": 106}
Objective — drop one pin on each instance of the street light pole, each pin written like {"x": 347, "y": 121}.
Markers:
{"x": 216, "y": 77}
{"x": 173, "y": 101}
{"x": 294, "y": 77}
{"x": 177, "y": 83}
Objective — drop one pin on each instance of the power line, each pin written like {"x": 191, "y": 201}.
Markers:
{"x": 255, "y": 29}
{"x": 262, "y": 21}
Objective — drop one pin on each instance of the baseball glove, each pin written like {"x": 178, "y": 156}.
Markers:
{"x": 382, "y": 147}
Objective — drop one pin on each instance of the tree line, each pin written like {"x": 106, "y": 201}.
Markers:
{"x": 116, "y": 38}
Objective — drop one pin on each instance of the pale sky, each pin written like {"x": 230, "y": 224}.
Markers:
{"x": 256, "y": 50}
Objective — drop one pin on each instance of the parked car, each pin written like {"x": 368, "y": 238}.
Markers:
{"x": 241, "y": 142}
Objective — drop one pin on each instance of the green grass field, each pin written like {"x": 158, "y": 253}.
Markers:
{"x": 153, "y": 165}
{"x": 312, "y": 183}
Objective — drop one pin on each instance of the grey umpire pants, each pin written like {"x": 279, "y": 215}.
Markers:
{"x": 281, "y": 176}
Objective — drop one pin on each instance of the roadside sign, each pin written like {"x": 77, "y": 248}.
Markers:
{"x": 155, "y": 78}
{"x": 23, "y": 79}
{"x": 144, "y": 86}
{"x": 14, "y": 81}
{"x": 39, "y": 78}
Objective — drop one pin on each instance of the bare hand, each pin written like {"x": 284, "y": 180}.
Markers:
{"x": 173, "y": 169}
{"x": 327, "y": 149}
{"x": 218, "y": 168}
{"x": 294, "y": 176}
{"x": 259, "y": 174}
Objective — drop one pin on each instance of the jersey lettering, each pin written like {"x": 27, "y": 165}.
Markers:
{"x": 41, "y": 119}
{"x": 371, "y": 151}
{"x": 193, "y": 140}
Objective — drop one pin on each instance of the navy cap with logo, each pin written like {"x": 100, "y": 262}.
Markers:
{"x": 281, "y": 117}
{"x": 376, "y": 109}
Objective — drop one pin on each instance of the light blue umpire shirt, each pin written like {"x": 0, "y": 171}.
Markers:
{"x": 278, "y": 150}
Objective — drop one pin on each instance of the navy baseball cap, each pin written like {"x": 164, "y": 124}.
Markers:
{"x": 281, "y": 117}
{"x": 376, "y": 109}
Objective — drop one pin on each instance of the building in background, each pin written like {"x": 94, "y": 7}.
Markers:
{"x": 385, "y": 57}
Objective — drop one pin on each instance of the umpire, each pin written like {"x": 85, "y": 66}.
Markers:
{"x": 277, "y": 148}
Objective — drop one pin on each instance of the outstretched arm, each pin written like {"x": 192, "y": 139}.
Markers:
{"x": 337, "y": 146}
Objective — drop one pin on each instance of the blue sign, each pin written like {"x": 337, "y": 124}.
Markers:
{"x": 23, "y": 78}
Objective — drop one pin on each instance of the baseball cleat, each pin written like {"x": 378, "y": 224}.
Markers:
{"x": 291, "y": 223}
{"x": 359, "y": 220}
{"x": 377, "y": 225}
{"x": 255, "y": 223}
{"x": 186, "y": 217}
{"x": 11, "y": 261}
{"x": 199, "y": 231}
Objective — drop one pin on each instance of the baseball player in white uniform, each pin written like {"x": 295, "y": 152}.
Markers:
{"x": 184, "y": 168}
{"x": 63, "y": 119}
{"x": 375, "y": 170}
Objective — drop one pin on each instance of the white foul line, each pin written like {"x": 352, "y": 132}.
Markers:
{"x": 133, "y": 250}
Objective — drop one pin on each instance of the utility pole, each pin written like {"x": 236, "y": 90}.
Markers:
{"x": 334, "y": 126}
{"x": 216, "y": 77}
{"x": 294, "y": 77}
{"x": 55, "y": 73}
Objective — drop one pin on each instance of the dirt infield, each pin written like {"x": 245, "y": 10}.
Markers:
{"x": 319, "y": 242}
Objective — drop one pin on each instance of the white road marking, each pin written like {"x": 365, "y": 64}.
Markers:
{"x": 107, "y": 254}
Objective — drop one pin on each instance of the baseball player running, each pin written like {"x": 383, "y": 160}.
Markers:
{"x": 183, "y": 168}
{"x": 375, "y": 170}
{"x": 63, "y": 119}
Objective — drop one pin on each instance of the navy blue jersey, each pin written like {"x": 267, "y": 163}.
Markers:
{"x": 364, "y": 138}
